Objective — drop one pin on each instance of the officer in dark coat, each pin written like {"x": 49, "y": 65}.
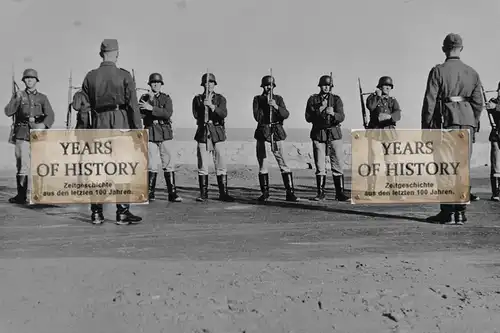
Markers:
{"x": 494, "y": 138}
{"x": 453, "y": 100}
{"x": 210, "y": 111}
{"x": 271, "y": 124}
{"x": 157, "y": 109}
{"x": 325, "y": 111}
{"x": 111, "y": 93}
{"x": 32, "y": 110}
{"x": 385, "y": 112}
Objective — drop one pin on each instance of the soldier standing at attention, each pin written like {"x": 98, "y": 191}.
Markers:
{"x": 157, "y": 109}
{"x": 385, "y": 112}
{"x": 81, "y": 105}
{"x": 112, "y": 96}
{"x": 325, "y": 111}
{"x": 269, "y": 110}
{"x": 32, "y": 110}
{"x": 494, "y": 110}
{"x": 209, "y": 110}
{"x": 453, "y": 100}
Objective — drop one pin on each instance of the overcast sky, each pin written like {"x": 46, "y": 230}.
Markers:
{"x": 240, "y": 40}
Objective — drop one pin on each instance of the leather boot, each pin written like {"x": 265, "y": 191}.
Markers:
{"x": 203, "y": 182}
{"x": 460, "y": 218}
{"x": 443, "y": 217}
{"x": 495, "y": 193}
{"x": 124, "y": 216}
{"x": 320, "y": 185}
{"x": 338, "y": 181}
{"x": 22, "y": 190}
{"x": 152, "y": 185}
{"x": 473, "y": 197}
{"x": 290, "y": 190}
{"x": 223, "y": 190}
{"x": 97, "y": 217}
{"x": 171, "y": 188}
{"x": 264, "y": 186}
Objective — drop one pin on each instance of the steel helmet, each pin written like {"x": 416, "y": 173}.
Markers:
{"x": 155, "y": 77}
{"x": 30, "y": 72}
{"x": 325, "y": 80}
{"x": 385, "y": 81}
{"x": 267, "y": 80}
{"x": 211, "y": 78}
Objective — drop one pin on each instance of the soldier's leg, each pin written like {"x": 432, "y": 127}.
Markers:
{"x": 202, "y": 155}
{"x": 286, "y": 173}
{"x": 495, "y": 170}
{"x": 153, "y": 163}
{"x": 167, "y": 156}
{"x": 22, "y": 154}
{"x": 319, "y": 153}
{"x": 261, "y": 153}
{"x": 221, "y": 171}
{"x": 336, "y": 153}
{"x": 371, "y": 180}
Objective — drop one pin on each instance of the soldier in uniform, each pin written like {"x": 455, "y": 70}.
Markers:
{"x": 453, "y": 100}
{"x": 210, "y": 111}
{"x": 494, "y": 138}
{"x": 385, "y": 112}
{"x": 32, "y": 110}
{"x": 112, "y": 97}
{"x": 325, "y": 111}
{"x": 81, "y": 105}
{"x": 156, "y": 109}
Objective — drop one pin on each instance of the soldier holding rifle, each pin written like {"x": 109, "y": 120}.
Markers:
{"x": 210, "y": 111}
{"x": 493, "y": 108}
{"x": 157, "y": 109}
{"x": 113, "y": 100}
{"x": 452, "y": 100}
{"x": 269, "y": 111}
{"x": 325, "y": 111}
{"x": 31, "y": 110}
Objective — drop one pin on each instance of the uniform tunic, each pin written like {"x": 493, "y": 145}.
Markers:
{"x": 111, "y": 93}
{"x": 216, "y": 126}
{"x": 325, "y": 127}
{"x": 383, "y": 105}
{"x": 158, "y": 121}
{"x": 262, "y": 117}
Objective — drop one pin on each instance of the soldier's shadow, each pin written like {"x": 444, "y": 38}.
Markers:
{"x": 248, "y": 196}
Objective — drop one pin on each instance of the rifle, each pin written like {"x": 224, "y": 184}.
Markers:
{"x": 207, "y": 119}
{"x": 363, "y": 106}
{"x": 70, "y": 97}
{"x": 269, "y": 99}
{"x": 490, "y": 116}
{"x": 15, "y": 89}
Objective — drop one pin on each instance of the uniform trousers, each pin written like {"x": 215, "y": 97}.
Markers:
{"x": 445, "y": 153}
{"x": 114, "y": 119}
{"x": 23, "y": 157}
{"x": 161, "y": 152}
{"x": 218, "y": 157}
{"x": 262, "y": 149}
{"x": 334, "y": 150}
{"x": 495, "y": 159}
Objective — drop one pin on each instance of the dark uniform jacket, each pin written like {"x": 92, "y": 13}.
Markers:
{"x": 158, "y": 121}
{"x": 81, "y": 105}
{"x": 325, "y": 127}
{"x": 453, "y": 78}
{"x": 111, "y": 93}
{"x": 264, "y": 119}
{"x": 216, "y": 118}
{"x": 31, "y": 104}
{"x": 495, "y": 114}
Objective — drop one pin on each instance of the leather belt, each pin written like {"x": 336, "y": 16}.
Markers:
{"x": 456, "y": 99}
{"x": 110, "y": 108}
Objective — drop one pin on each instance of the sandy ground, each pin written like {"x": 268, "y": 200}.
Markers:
{"x": 241, "y": 267}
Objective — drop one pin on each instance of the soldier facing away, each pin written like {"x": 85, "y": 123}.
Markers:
{"x": 157, "y": 109}
{"x": 31, "y": 110}
{"x": 452, "y": 100}
{"x": 494, "y": 138}
{"x": 111, "y": 93}
{"x": 269, "y": 110}
{"x": 325, "y": 111}
{"x": 385, "y": 112}
{"x": 210, "y": 111}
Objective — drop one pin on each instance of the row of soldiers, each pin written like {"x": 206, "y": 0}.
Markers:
{"x": 452, "y": 100}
